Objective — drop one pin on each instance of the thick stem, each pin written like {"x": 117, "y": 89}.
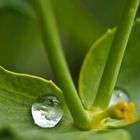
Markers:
{"x": 58, "y": 63}
{"x": 115, "y": 57}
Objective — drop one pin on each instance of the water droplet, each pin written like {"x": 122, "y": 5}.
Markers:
{"x": 118, "y": 95}
{"x": 47, "y": 111}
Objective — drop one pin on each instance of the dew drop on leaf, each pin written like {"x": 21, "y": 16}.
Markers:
{"x": 47, "y": 111}
{"x": 118, "y": 96}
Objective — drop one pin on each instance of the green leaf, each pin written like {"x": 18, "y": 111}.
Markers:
{"x": 129, "y": 76}
{"x": 92, "y": 68}
{"x": 18, "y": 92}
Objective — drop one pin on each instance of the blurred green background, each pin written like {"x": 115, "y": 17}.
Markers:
{"x": 80, "y": 24}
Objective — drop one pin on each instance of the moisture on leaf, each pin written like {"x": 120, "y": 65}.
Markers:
{"x": 17, "y": 94}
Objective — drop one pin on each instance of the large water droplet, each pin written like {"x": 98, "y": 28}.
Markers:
{"x": 47, "y": 111}
{"x": 118, "y": 95}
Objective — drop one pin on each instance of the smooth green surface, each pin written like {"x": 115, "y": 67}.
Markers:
{"x": 18, "y": 92}
{"x": 92, "y": 69}
{"x": 21, "y": 5}
{"x": 73, "y": 37}
{"x": 58, "y": 62}
{"x": 20, "y": 43}
{"x": 129, "y": 76}
{"x": 77, "y": 134}
{"x": 78, "y": 26}
{"x": 116, "y": 54}
{"x": 78, "y": 30}
{"x": 134, "y": 131}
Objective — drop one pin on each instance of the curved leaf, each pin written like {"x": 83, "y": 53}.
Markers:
{"x": 18, "y": 92}
{"x": 92, "y": 68}
{"x": 94, "y": 62}
{"x": 129, "y": 76}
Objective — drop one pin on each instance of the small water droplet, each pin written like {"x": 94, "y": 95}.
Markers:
{"x": 118, "y": 95}
{"x": 47, "y": 111}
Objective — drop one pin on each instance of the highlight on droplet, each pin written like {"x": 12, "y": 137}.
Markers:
{"x": 47, "y": 111}
{"x": 118, "y": 96}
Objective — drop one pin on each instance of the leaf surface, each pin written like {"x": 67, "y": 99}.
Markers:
{"x": 129, "y": 76}
{"x": 17, "y": 94}
{"x": 93, "y": 67}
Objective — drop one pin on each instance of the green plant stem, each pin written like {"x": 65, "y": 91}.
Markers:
{"x": 116, "y": 53}
{"x": 58, "y": 63}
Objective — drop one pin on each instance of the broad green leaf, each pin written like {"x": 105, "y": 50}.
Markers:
{"x": 18, "y": 92}
{"x": 92, "y": 69}
{"x": 129, "y": 76}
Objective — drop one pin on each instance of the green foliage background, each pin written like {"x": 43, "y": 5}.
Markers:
{"x": 80, "y": 24}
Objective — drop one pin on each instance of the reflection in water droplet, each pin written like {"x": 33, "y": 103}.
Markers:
{"x": 47, "y": 112}
{"x": 118, "y": 95}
